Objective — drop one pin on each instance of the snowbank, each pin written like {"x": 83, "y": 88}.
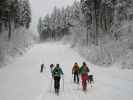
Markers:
{"x": 109, "y": 51}
{"x": 20, "y": 40}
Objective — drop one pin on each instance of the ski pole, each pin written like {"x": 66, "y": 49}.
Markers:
{"x": 79, "y": 83}
{"x": 63, "y": 83}
{"x": 72, "y": 78}
{"x": 51, "y": 85}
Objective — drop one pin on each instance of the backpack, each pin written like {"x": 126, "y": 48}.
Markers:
{"x": 76, "y": 68}
{"x": 56, "y": 72}
{"x": 85, "y": 70}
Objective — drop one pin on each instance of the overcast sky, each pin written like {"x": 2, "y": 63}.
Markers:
{"x": 42, "y": 7}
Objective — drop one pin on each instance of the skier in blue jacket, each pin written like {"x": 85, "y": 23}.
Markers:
{"x": 56, "y": 74}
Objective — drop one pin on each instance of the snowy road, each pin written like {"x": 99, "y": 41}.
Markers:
{"x": 22, "y": 80}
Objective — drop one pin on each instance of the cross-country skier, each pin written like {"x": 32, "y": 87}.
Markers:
{"x": 42, "y": 66}
{"x": 75, "y": 71}
{"x": 84, "y": 75}
{"x": 56, "y": 74}
{"x": 51, "y": 67}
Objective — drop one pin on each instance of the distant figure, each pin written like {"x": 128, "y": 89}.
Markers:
{"x": 84, "y": 75}
{"x": 42, "y": 66}
{"x": 75, "y": 71}
{"x": 51, "y": 67}
{"x": 56, "y": 74}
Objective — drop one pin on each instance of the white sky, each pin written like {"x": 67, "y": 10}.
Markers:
{"x": 43, "y": 7}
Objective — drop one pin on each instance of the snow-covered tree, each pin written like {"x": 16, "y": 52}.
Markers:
{"x": 14, "y": 13}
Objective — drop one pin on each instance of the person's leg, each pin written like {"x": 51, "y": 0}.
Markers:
{"x": 82, "y": 78}
{"x": 77, "y": 76}
{"x": 74, "y": 77}
{"x": 58, "y": 84}
{"x": 84, "y": 84}
{"x": 55, "y": 84}
{"x": 86, "y": 79}
{"x": 41, "y": 68}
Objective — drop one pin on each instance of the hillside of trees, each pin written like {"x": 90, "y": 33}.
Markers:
{"x": 15, "y": 19}
{"x": 101, "y": 29}
{"x": 14, "y": 14}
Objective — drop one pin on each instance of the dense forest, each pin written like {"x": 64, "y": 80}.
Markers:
{"x": 96, "y": 17}
{"x": 15, "y": 19}
{"x": 103, "y": 27}
{"x": 13, "y": 14}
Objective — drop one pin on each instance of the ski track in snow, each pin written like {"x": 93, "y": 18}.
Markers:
{"x": 22, "y": 79}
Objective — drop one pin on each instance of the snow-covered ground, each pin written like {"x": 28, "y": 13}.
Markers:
{"x": 22, "y": 79}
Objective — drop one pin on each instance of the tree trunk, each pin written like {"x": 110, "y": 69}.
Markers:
{"x": 95, "y": 24}
{"x": 95, "y": 27}
{"x": 87, "y": 37}
{"x": 9, "y": 27}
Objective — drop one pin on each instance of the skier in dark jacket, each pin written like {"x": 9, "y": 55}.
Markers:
{"x": 56, "y": 74}
{"x": 75, "y": 71}
{"x": 42, "y": 67}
